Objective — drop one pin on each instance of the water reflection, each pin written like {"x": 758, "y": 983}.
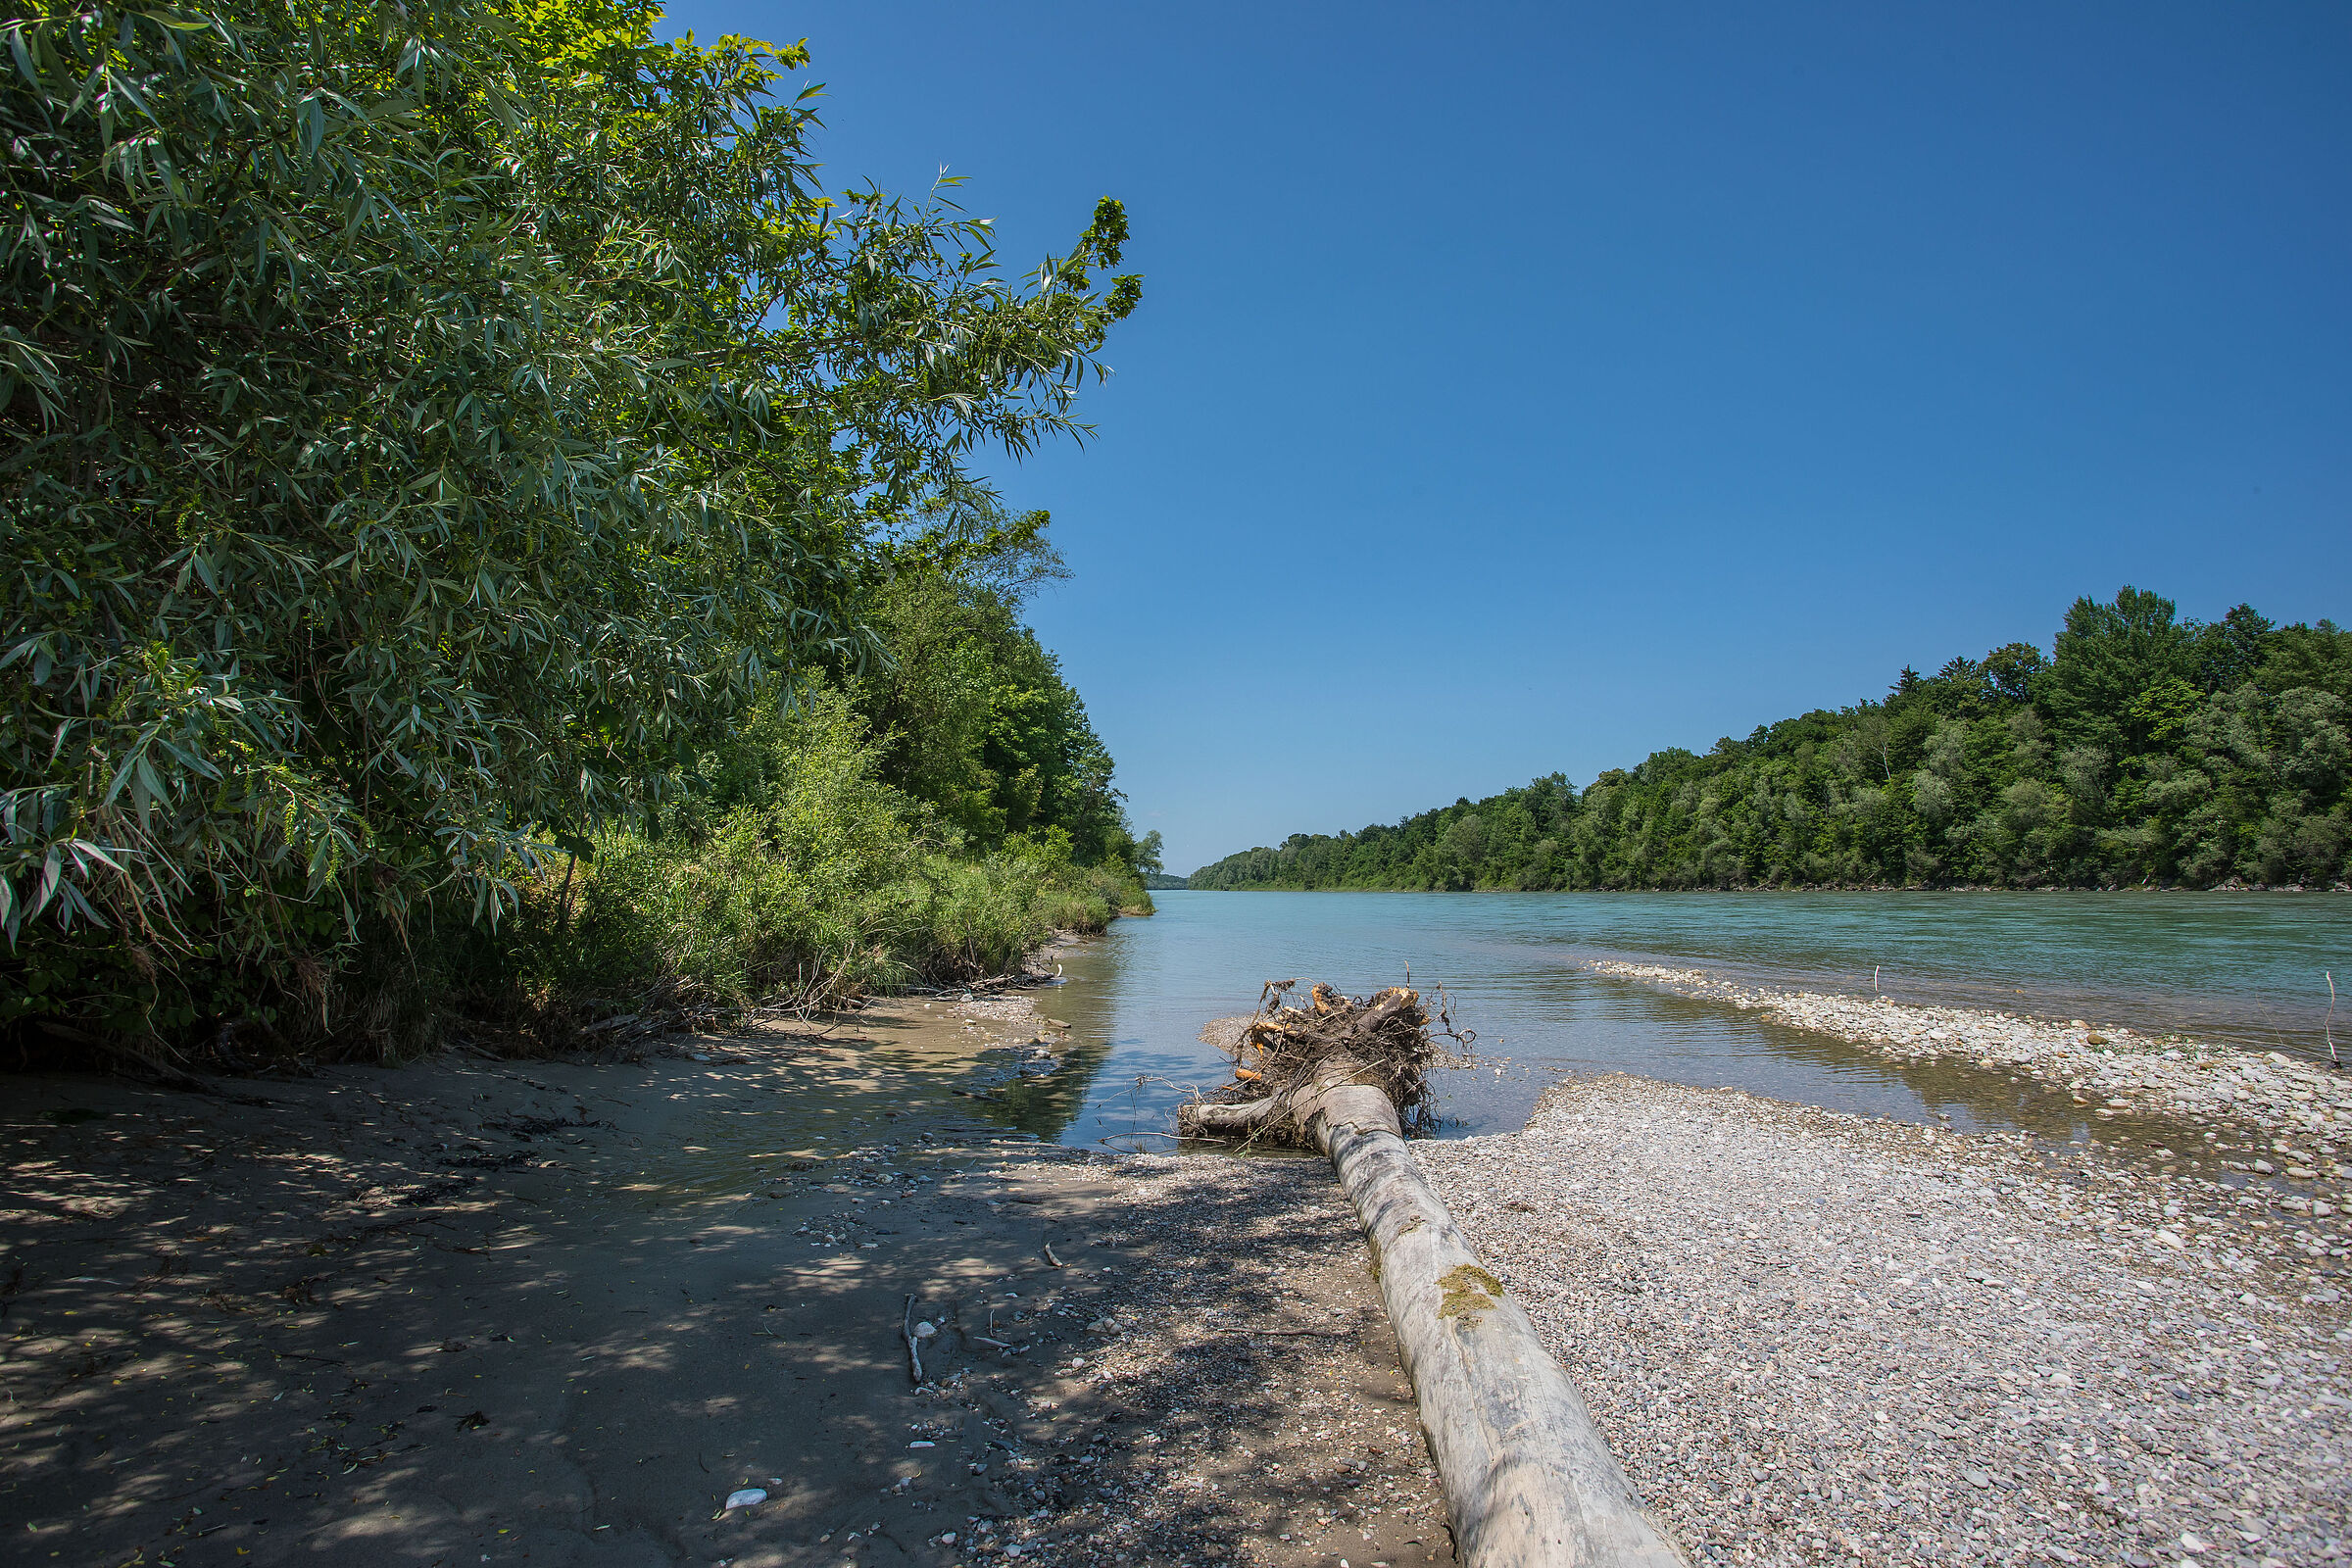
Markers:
{"x": 899, "y": 1074}
{"x": 1030, "y": 1088}
{"x": 1513, "y": 964}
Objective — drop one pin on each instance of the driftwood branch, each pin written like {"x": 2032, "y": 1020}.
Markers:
{"x": 1529, "y": 1482}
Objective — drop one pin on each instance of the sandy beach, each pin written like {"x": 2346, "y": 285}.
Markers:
{"x": 561, "y": 1311}
{"x": 475, "y": 1311}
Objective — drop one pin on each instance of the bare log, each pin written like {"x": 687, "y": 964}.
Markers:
{"x": 1529, "y": 1482}
{"x": 1229, "y": 1119}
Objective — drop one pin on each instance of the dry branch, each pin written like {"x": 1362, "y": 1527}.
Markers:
{"x": 915, "y": 1346}
{"x": 1285, "y": 1056}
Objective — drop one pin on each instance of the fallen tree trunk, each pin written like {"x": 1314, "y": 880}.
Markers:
{"x": 1528, "y": 1479}
{"x": 1529, "y": 1483}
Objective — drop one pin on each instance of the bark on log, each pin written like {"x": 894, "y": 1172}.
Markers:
{"x": 1528, "y": 1479}
{"x": 1242, "y": 1118}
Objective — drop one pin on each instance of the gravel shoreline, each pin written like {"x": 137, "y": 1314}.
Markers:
{"x": 2115, "y": 1070}
{"x": 1810, "y": 1338}
{"x": 1819, "y": 1338}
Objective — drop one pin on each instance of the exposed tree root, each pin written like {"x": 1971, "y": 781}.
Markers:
{"x": 1289, "y": 1059}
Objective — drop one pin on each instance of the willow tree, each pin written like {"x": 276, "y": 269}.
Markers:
{"x": 425, "y": 423}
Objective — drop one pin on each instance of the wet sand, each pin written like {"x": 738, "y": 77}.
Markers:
{"x": 472, "y": 1311}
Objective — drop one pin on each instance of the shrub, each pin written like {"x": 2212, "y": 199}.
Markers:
{"x": 789, "y": 874}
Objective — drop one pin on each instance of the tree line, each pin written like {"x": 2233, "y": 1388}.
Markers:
{"x": 2143, "y": 750}
{"x": 487, "y": 526}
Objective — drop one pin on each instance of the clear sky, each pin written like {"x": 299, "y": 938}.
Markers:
{"x": 1524, "y": 388}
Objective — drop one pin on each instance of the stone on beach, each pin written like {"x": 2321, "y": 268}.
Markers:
{"x": 2267, "y": 1092}
{"x": 1799, "y": 1329}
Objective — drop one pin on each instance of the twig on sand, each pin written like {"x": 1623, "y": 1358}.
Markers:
{"x": 914, "y": 1346}
{"x": 2329, "y": 1025}
{"x": 1047, "y": 1248}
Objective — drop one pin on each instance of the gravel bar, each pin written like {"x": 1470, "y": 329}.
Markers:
{"x": 1820, "y": 1337}
{"x": 2118, "y": 1071}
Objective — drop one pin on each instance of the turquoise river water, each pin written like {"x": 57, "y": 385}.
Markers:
{"x": 2244, "y": 969}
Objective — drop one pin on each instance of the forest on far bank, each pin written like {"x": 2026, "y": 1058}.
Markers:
{"x": 2143, "y": 750}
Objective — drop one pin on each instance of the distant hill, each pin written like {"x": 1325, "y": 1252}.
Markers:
{"x": 2144, "y": 750}
{"x": 1162, "y": 882}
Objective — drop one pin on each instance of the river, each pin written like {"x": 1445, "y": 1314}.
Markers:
{"x": 2246, "y": 969}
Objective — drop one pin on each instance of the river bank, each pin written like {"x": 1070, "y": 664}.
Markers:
{"x": 1812, "y": 1336}
{"x": 560, "y": 1311}
{"x": 2115, "y": 1070}
{"x": 563, "y": 1311}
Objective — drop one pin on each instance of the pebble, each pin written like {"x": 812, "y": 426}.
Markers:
{"x": 1819, "y": 1338}
{"x": 2121, "y": 1070}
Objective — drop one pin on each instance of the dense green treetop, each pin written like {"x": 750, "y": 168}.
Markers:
{"x": 429, "y": 425}
{"x": 971, "y": 710}
{"x": 2143, "y": 749}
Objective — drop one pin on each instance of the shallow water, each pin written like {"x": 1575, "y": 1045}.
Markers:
{"x": 2245, "y": 970}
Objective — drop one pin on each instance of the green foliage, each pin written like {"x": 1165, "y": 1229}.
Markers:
{"x": 429, "y": 426}
{"x": 794, "y": 872}
{"x": 973, "y": 713}
{"x": 2146, "y": 750}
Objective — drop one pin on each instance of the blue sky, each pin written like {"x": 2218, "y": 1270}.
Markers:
{"x": 1522, "y": 388}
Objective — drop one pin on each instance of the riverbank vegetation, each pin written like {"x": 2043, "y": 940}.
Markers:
{"x": 2143, "y": 750}
{"x": 489, "y": 536}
